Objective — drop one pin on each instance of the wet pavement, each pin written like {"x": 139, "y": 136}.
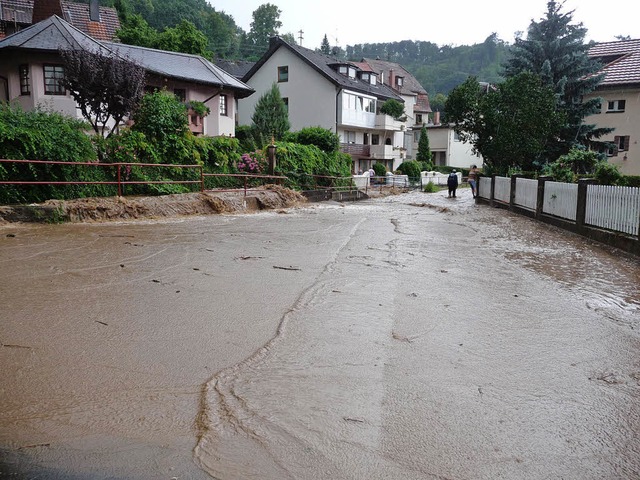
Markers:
{"x": 405, "y": 337}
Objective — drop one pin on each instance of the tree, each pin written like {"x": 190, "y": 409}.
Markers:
{"x": 510, "y": 125}
{"x": 555, "y": 50}
{"x": 136, "y": 31}
{"x": 424, "y": 151}
{"x": 185, "y": 38}
{"x": 437, "y": 102}
{"x": 270, "y": 117}
{"x": 106, "y": 88}
{"x": 393, "y": 108}
{"x": 222, "y": 33}
{"x": 324, "y": 46}
{"x": 264, "y": 26}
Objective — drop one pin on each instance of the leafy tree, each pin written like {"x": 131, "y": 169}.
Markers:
{"x": 393, "y": 108}
{"x": 424, "y": 151}
{"x": 437, "y": 102}
{"x": 265, "y": 24}
{"x": 511, "y": 125}
{"x": 161, "y": 117}
{"x": 135, "y": 30}
{"x": 410, "y": 168}
{"x": 324, "y": 46}
{"x": 186, "y": 38}
{"x": 555, "y": 50}
{"x": 222, "y": 33}
{"x": 323, "y": 138}
{"x": 270, "y": 116}
{"x": 107, "y": 88}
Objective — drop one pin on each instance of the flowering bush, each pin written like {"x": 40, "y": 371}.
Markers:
{"x": 252, "y": 162}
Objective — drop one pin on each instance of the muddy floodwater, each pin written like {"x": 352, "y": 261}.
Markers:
{"x": 405, "y": 337}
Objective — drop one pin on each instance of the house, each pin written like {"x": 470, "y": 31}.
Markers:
{"x": 96, "y": 21}
{"x": 416, "y": 99}
{"x": 320, "y": 90}
{"x": 620, "y": 106}
{"x": 31, "y": 67}
{"x": 446, "y": 147}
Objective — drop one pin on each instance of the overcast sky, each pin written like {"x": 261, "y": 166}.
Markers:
{"x": 444, "y": 22}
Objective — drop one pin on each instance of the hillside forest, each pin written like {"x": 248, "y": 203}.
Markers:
{"x": 194, "y": 26}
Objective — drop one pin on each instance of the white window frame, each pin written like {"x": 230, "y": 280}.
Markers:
{"x": 616, "y": 106}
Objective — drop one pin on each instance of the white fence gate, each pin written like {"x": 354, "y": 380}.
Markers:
{"x": 503, "y": 189}
{"x": 526, "y": 193}
{"x": 561, "y": 200}
{"x": 613, "y": 208}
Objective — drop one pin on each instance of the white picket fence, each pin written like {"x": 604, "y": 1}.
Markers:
{"x": 526, "y": 193}
{"x": 561, "y": 200}
{"x": 484, "y": 189}
{"x": 613, "y": 208}
{"x": 503, "y": 189}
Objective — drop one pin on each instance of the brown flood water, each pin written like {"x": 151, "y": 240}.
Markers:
{"x": 407, "y": 337}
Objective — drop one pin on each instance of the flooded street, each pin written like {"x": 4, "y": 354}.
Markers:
{"x": 405, "y": 337}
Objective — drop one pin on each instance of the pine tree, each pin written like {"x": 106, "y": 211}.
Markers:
{"x": 270, "y": 117}
{"x": 325, "y": 47}
{"x": 555, "y": 50}
{"x": 424, "y": 150}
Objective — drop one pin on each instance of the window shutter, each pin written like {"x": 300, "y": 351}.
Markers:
{"x": 626, "y": 143}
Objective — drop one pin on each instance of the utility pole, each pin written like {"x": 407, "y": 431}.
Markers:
{"x": 300, "y": 37}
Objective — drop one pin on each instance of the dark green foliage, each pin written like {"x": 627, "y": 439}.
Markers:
{"x": 39, "y": 135}
{"x": 510, "y": 126}
{"x": 134, "y": 30}
{"x": 556, "y": 51}
{"x": 270, "y": 117}
{"x": 410, "y": 168}
{"x": 431, "y": 187}
{"x": 184, "y": 37}
{"x": 265, "y": 24}
{"x": 245, "y": 135}
{"x": 161, "y": 117}
{"x": 424, "y": 151}
{"x": 325, "y": 47}
{"x": 301, "y": 162}
{"x": 380, "y": 169}
{"x": 393, "y": 108}
{"x": 607, "y": 174}
{"x": 324, "y": 139}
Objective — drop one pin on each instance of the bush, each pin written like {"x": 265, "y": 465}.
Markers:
{"x": 630, "y": 181}
{"x": 410, "y": 168}
{"x": 393, "y": 108}
{"x": 380, "y": 169}
{"x": 560, "y": 171}
{"x": 40, "y": 135}
{"x": 301, "y": 162}
{"x": 324, "y": 139}
{"x": 430, "y": 188}
{"x": 246, "y": 138}
{"x": 607, "y": 174}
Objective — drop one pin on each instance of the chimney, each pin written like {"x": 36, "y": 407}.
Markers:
{"x": 43, "y": 9}
{"x": 94, "y": 11}
{"x": 436, "y": 118}
{"x": 392, "y": 79}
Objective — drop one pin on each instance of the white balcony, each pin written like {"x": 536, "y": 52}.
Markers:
{"x": 385, "y": 122}
{"x": 357, "y": 118}
{"x": 384, "y": 152}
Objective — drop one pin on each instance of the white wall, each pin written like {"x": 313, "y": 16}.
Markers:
{"x": 312, "y": 97}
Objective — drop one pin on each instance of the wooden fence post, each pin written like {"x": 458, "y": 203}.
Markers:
{"x": 581, "y": 208}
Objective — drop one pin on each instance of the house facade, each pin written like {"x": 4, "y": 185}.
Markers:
{"x": 31, "y": 70}
{"x": 340, "y": 96}
{"x": 620, "y": 102}
{"x": 447, "y": 149}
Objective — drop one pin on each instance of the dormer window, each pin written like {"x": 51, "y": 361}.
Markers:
{"x": 352, "y": 72}
{"x": 342, "y": 69}
{"x": 373, "y": 80}
{"x": 365, "y": 77}
{"x": 399, "y": 81}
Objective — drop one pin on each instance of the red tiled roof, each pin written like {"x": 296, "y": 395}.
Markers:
{"x": 621, "y": 61}
{"x": 77, "y": 14}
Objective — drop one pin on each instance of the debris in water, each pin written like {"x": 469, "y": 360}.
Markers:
{"x": 286, "y": 268}
{"x": 13, "y": 346}
{"x": 349, "y": 419}
{"x": 11, "y": 235}
{"x": 102, "y": 323}
{"x": 35, "y": 445}
{"x": 247, "y": 257}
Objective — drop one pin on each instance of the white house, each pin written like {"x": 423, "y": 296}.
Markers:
{"x": 320, "y": 90}
{"x": 31, "y": 70}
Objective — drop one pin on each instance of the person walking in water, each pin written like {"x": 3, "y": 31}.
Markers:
{"x": 473, "y": 180}
{"x": 452, "y": 183}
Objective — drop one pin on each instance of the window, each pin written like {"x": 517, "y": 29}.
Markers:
{"x": 418, "y": 118}
{"x": 620, "y": 144}
{"x": 349, "y": 137}
{"x": 25, "y": 84}
{"x": 223, "y": 104}
{"x": 456, "y": 137}
{"x": 365, "y": 77}
{"x": 181, "y": 93}
{"x": 416, "y": 136}
{"x": 53, "y": 75}
{"x": 283, "y": 74}
{"x": 286, "y": 103}
{"x": 352, "y": 72}
{"x": 365, "y": 138}
{"x": 616, "y": 106}
{"x": 399, "y": 81}
{"x": 369, "y": 105}
{"x": 375, "y": 139}
{"x": 374, "y": 79}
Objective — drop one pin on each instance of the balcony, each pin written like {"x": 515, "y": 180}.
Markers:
{"x": 196, "y": 123}
{"x": 385, "y": 152}
{"x": 355, "y": 150}
{"x": 385, "y": 122}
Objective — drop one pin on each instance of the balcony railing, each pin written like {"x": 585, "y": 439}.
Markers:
{"x": 355, "y": 149}
{"x": 385, "y": 122}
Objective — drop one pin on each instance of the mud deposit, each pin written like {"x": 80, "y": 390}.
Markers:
{"x": 406, "y": 337}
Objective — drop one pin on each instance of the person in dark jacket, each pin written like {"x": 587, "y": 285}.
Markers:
{"x": 452, "y": 183}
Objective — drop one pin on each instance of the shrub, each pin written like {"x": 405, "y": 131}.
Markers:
{"x": 380, "y": 169}
{"x": 324, "y": 139}
{"x": 560, "y": 171}
{"x": 393, "y": 108}
{"x": 246, "y": 138}
{"x": 410, "y": 168}
{"x": 430, "y": 188}
{"x": 301, "y": 162}
{"x": 607, "y": 174}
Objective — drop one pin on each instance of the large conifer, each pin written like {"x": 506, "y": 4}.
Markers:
{"x": 270, "y": 117}
{"x": 555, "y": 50}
